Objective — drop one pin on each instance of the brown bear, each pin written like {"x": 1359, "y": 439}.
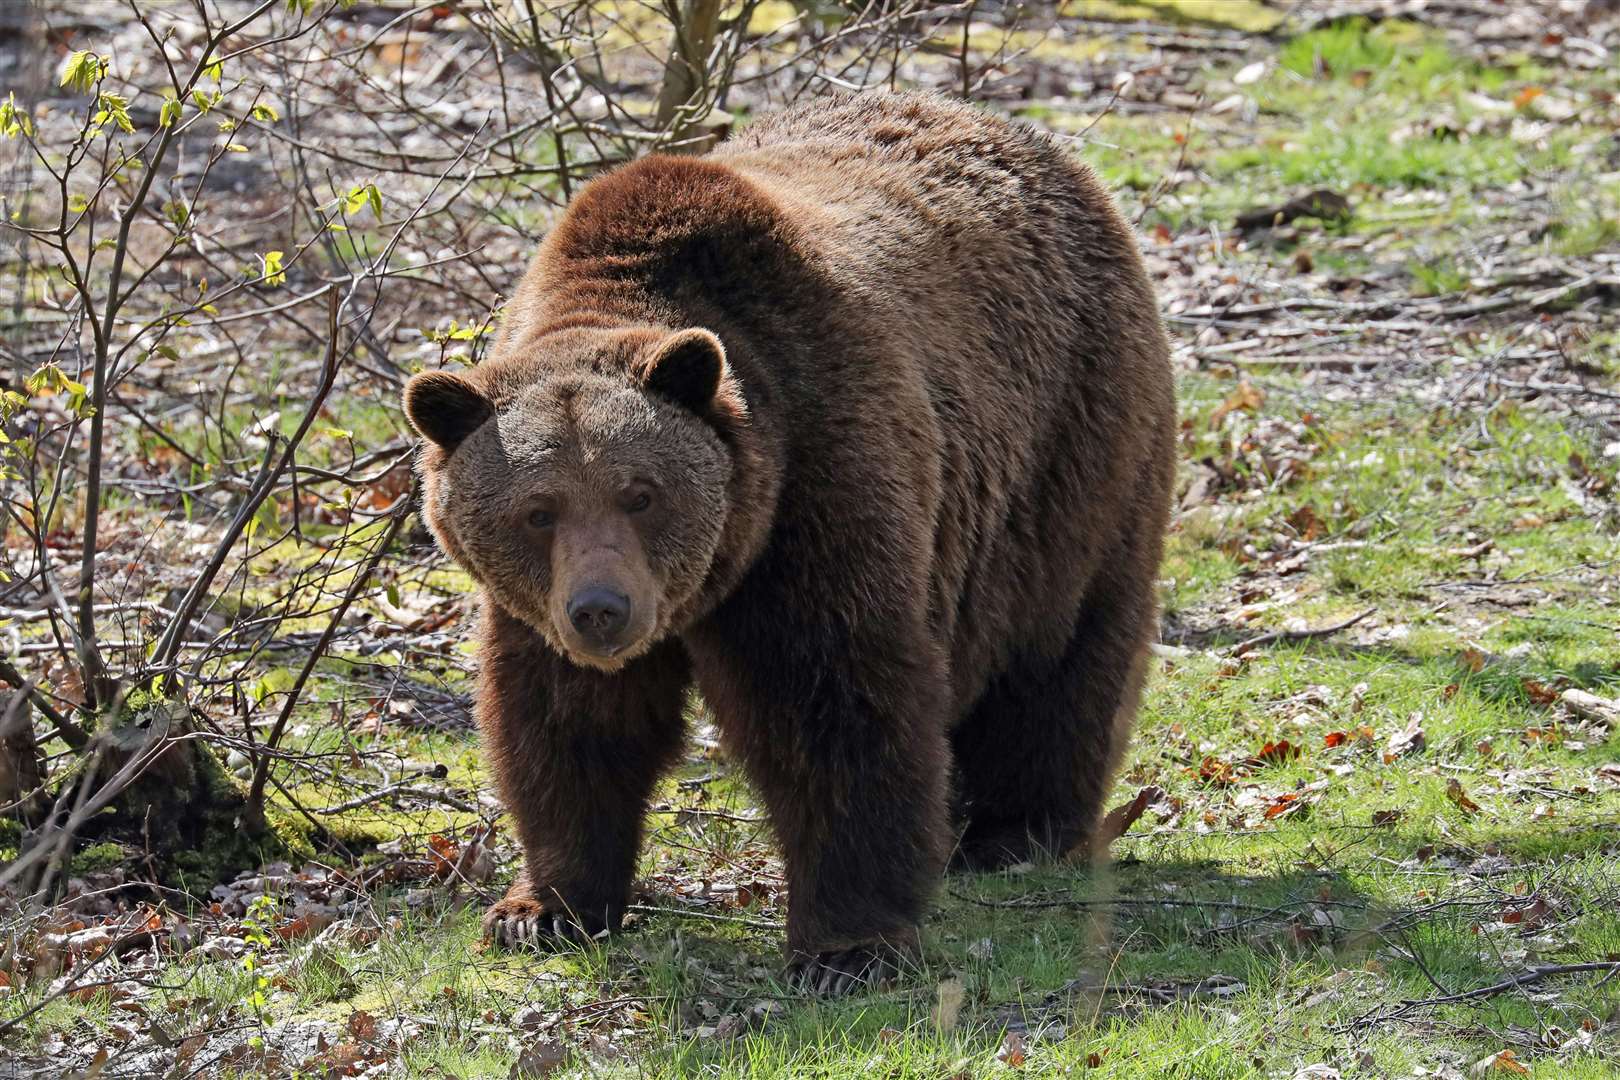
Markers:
{"x": 862, "y": 425}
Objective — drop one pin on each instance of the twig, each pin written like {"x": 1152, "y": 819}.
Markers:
{"x": 741, "y": 920}
{"x": 395, "y": 790}
{"x": 1513, "y": 982}
{"x": 1297, "y": 635}
{"x": 1112, "y": 901}
{"x": 69, "y": 731}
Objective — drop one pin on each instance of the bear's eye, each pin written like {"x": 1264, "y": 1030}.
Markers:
{"x": 542, "y": 519}
{"x": 640, "y": 502}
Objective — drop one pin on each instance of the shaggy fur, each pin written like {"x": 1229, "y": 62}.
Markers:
{"x": 909, "y": 499}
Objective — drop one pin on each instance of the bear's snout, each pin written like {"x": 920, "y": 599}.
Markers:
{"x": 600, "y": 614}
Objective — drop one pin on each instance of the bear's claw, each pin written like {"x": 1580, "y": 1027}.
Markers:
{"x": 837, "y": 972}
{"x": 524, "y": 924}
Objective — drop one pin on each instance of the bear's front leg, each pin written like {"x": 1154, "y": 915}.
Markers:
{"x": 576, "y": 754}
{"x": 841, "y": 727}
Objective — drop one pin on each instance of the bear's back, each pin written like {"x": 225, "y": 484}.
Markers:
{"x": 1004, "y": 281}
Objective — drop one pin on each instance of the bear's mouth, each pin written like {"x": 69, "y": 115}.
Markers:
{"x": 609, "y": 659}
{"x": 606, "y": 655}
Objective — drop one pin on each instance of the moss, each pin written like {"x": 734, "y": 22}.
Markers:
{"x": 224, "y": 845}
{"x": 1250, "y": 16}
{"x": 103, "y": 856}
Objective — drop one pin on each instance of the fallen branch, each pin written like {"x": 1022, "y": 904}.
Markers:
{"x": 396, "y": 791}
{"x": 1591, "y": 707}
{"x": 682, "y": 913}
{"x": 1297, "y": 635}
{"x": 1112, "y": 901}
{"x": 1512, "y": 982}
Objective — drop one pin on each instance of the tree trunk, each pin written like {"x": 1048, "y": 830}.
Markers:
{"x": 686, "y": 96}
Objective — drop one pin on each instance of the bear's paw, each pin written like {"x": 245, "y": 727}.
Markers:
{"x": 522, "y": 923}
{"x": 837, "y": 972}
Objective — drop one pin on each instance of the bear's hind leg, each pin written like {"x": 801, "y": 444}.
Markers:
{"x": 1035, "y": 756}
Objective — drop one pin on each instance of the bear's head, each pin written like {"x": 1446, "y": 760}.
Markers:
{"x": 585, "y": 489}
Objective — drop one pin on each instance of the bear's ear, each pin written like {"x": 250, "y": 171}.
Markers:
{"x": 687, "y": 368}
{"x": 445, "y": 408}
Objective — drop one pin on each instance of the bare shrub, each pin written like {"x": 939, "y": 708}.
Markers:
{"x": 231, "y": 231}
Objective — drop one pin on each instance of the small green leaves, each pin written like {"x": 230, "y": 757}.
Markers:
{"x": 83, "y": 71}
{"x": 14, "y": 121}
{"x": 114, "y": 107}
{"x": 206, "y": 101}
{"x": 170, "y": 112}
{"x": 265, "y": 113}
{"x": 273, "y": 273}
{"x": 457, "y": 332}
{"x": 361, "y": 196}
{"x": 50, "y": 379}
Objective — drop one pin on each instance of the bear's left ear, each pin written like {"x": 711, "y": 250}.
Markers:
{"x": 687, "y": 368}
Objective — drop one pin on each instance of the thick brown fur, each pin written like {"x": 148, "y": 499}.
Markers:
{"x": 910, "y": 504}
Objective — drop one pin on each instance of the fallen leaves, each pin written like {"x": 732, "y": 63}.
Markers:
{"x": 540, "y": 1059}
{"x": 1014, "y": 1050}
{"x": 1246, "y": 398}
{"x": 1275, "y": 753}
{"x": 1532, "y": 917}
{"x": 1409, "y": 740}
{"x": 1459, "y": 797}
{"x": 1122, "y": 817}
{"x": 1539, "y": 693}
{"x": 1283, "y": 805}
{"x": 1503, "y": 1061}
{"x": 1524, "y": 97}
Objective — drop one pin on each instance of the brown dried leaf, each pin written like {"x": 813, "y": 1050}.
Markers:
{"x": 1455, "y": 792}
{"x": 1246, "y": 398}
{"x": 539, "y": 1059}
{"x": 362, "y": 1025}
{"x": 1122, "y": 817}
{"x": 1013, "y": 1052}
{"x": 1409, "y": 740}
{"x": 1540, "y": 693}
{"x": 1504, "y": 1061}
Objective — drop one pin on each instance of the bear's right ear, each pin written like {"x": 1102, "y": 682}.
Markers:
{"x": 445, "y": 408}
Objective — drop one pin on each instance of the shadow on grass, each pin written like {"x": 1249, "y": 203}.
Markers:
{"x": 1060, "y": 952}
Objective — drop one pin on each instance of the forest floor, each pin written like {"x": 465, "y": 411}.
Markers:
{"x": 1377, "y": 767}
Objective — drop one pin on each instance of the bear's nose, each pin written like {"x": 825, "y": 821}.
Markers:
{"x": 600, "y": 613}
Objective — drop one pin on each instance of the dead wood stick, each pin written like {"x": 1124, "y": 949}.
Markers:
{"x": 683, "y": 913}
{"x": 1512, "y": 982}
{"x": 1297, "y": 635}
